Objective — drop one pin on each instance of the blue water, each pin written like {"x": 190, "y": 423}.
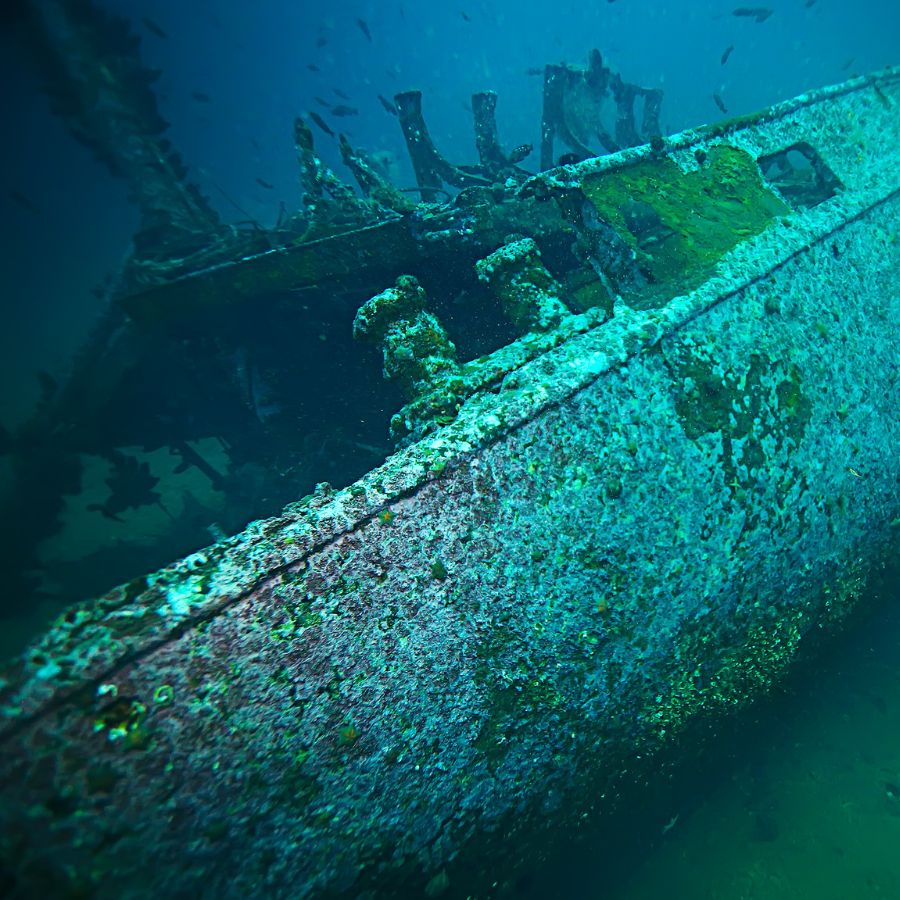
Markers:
{"x": 233, "y": 76}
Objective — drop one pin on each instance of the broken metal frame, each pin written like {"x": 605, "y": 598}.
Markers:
{"x": 594, "y": 85}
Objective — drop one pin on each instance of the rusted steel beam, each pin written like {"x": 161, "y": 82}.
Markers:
{"x": 432, "y": 170}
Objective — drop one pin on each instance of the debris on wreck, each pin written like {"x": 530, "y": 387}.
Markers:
{"x": 131, "y": 486}
{"x": 178, "y": 358}
{"x": 618, "y": 498}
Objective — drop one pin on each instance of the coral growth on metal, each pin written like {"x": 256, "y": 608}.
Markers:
{"x": 637, "y": 526}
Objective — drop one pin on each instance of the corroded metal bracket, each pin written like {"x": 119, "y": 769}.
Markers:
{"x": 573, "y": 111}
{"x": 419, "y": 354}
{"x": 432, "y": 170}
{"x": 530, "y": 295}
{"x": 416, "y": 347}
{"x": 494, "y": 161}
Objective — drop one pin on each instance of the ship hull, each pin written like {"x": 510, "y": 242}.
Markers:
{"x": 641, "y": 526}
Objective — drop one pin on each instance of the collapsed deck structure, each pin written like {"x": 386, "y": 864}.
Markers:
{"x": 672, "y": 473}
{"x": 228, "y": 347}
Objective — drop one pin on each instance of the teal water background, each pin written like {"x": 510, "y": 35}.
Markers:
{"x": 800, "y": 804}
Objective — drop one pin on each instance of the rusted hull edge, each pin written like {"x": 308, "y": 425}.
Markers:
{"x": 644, "y": 524}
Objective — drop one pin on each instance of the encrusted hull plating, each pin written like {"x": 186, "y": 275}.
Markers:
{"x": 639, "y": 525}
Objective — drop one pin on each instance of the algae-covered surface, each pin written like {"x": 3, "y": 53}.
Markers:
{"x": 376, "y": 693}
{"x": 476, "y": 650}
{"x": 680, "y": 224}
{"x": 800, "y": 801}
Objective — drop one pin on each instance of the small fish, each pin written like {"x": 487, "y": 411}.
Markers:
{"x": 364, "y": 28}
{"x": 341, "y": 94}
{"x": 322, "y": 102}
{"x": 388, "y": 106}
{"x": 809, "y": 3}
{"x": 847, "y": 64}
{"x": 535, "y": 70}
{"x": 726, "y": 54}
{"x": 313, "y": 67}
{"x": 517, "y": 154}
{"x": 200, "y": 97}
{"x": 344, "y": 111}
{"x": 24, "y": 202}
{"x": 321, "y": 41}
{"x": 263, "y": 183}
{"x": 720, "y": 103}
{"x": 463, "y": 14}
{"x": 152, "y": 27}
{"x": 318, "y": 120}
{"x": 670, "y": 824}
{"x": 760, "y": 13}
{"x": 854, "y": 472}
